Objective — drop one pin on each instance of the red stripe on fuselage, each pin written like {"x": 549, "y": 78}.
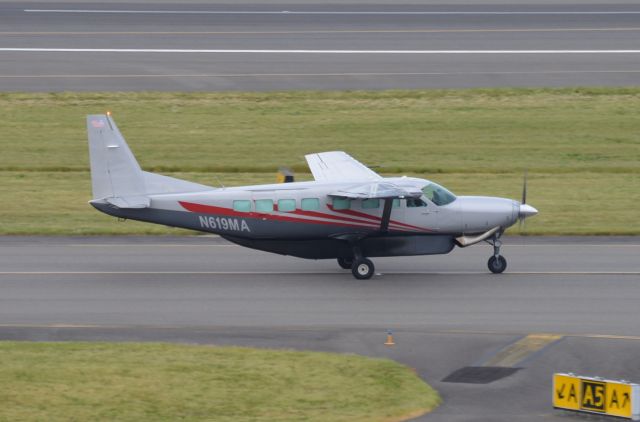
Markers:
{"x": 343, "y": 221}
{"x": 373, "y": 217}
{"x": 211, "y": 209}
{"x": 341, "y": 218}
{"x": 329, "y": 216}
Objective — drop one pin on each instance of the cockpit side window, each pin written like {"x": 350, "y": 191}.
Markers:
{"x": 415, "y": 202}
{"x": 437, "y": 194}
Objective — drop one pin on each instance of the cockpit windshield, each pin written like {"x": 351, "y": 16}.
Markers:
{"x": 437, "y": 194}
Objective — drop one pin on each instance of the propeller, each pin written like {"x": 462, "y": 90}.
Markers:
{"x": 524, "y": 187}
{"x": 524, "y": 200}
{"x": 525, "y": 210}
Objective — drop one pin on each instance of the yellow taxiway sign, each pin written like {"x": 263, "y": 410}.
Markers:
{"x": 596, "y": 395}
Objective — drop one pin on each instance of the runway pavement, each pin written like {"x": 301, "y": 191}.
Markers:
{"x": 564, "y": 304}
{"x": 52, "y": 46}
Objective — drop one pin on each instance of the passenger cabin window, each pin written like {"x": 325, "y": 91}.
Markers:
{"x": 310, "y": 204}
{"x": 368, "y": 204}
{"x": 415, "y": 202}
{"x": 264, "y": 205}
{"x": 341, "y": 203}
{"x": 396, "y": 203}
{"x": 242, "y": 206}
{"x": 286, "y": 205}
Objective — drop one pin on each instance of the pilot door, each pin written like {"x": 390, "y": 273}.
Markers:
{"x": 420, "y": 212}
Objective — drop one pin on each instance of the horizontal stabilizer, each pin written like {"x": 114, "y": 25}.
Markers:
{"x": 130, "y": 202}
{"x": 158, "y": 183}
{"x": 377, "y": 190}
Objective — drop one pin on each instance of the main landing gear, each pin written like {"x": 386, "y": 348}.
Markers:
{"x": 361, "y": 268}
{"x": 497, "y": 263}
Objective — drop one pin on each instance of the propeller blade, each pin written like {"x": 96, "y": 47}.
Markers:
{"x": 524, "y": 187}
{"x": 525, "y": 210}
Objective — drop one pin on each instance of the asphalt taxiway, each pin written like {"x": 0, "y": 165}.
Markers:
{"x": 169, "y": 46}
{"x": 564, "y": 304}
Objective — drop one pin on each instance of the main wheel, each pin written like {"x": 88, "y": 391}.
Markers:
{"x": 345, "y": 263}
{"x": 362, "y": 269}
{"x": 497, "y": 264}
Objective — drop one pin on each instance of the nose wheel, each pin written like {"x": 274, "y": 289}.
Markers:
{"x": 497, "y": 263}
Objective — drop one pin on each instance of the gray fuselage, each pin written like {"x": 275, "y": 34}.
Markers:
{"x": 305, "y": 221}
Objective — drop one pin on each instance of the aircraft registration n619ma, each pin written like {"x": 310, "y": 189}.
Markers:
{"x": 348, "y": 213}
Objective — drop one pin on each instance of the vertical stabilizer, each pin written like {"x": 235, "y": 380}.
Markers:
{"x": 116, "y": 176}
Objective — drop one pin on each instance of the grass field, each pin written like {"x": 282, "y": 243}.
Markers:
{"x": 168, "y": 382}
{"x": 581, "y": 147}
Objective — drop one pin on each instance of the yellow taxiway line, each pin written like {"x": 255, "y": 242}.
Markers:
{"x": 521, "y": 349}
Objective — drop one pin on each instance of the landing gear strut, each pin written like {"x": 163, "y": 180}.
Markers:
{"x": 497, "y": 263}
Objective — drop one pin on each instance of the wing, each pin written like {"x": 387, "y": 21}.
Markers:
{"x": 377, "y": 190}
{"x": 338, "y": 166}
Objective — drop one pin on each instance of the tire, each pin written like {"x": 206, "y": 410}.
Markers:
{"x": 362, "y": 269}
{"x": 345, "y": 263}
{"x": 497, "y": 264}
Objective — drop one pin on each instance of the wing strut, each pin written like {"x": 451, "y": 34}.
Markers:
{"x": 386, "y": 214}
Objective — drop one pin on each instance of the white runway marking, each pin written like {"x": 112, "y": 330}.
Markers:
{"x": 320, "y": 31}
{"x": 250, "y": 51}
{"x": 331, "y": 12}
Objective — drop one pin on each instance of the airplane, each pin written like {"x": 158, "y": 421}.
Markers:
{"x": 349, "y": 212}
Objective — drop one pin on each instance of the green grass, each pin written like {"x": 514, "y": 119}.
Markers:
{"x": 168, "y": 382}
{"x": 581, "y": 146}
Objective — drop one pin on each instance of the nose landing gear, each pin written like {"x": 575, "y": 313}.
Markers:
{"x": 497, "y": 263}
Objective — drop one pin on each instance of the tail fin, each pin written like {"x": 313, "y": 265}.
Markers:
{"x": 116, "y": 176}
